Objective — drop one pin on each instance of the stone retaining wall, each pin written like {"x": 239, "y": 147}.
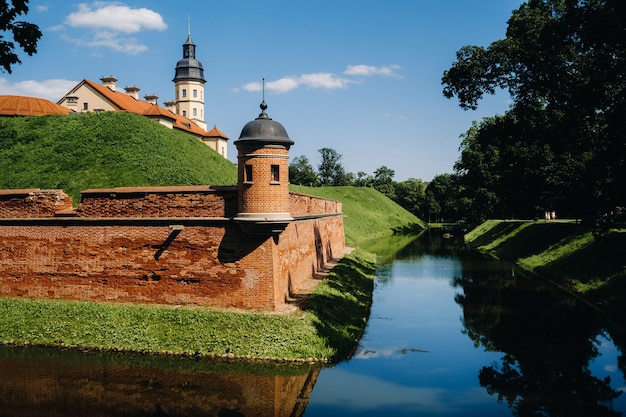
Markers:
{"x": 164, "y": 245}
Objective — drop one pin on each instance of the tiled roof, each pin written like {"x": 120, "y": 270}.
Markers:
{"x": 215, "y": 132}
{"x": 29, "y": 106}
{"x": 127, "y": 103}
{"x": 156, "y": 111}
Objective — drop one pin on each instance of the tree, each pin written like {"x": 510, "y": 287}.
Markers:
{"x": 383, "y": 181}
{"x": 301, "y": 172}
{"x": 330, "y": 170}
{"x": 411, "y": 195}
{"x": 562, "y": 62}
{"x": 442, "y": 195}
{"x": 363, "y": 179}
{"x": 25, "y": 34}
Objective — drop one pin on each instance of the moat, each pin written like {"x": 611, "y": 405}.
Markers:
{"x": 449, "y": 334}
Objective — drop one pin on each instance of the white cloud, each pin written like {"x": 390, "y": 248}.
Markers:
{"x": 42, "y": 8}
{"x": 111, "y": 40}
{"x": 322, "y": 80}
{"x": 115, "y": 17}
{"x": 108, "y": 23}
{"x": 52, "y": 89}
{"x": 369, "y": 70}
{"x": 327, "y": 81}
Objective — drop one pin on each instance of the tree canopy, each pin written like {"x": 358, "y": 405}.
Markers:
{"x": 561, "y": 144}
{"x": 25, "y": 34}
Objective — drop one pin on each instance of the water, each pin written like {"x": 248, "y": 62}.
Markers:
{"x": 449, "y": 334}
{"x": 455, "y": 335}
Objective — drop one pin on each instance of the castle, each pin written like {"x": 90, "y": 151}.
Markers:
{"x": 250, "y": 246}
{"x": 185, "y": 113}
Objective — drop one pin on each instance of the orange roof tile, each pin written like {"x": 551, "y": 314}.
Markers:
{"x": 215, "y": 132}
{"x": 127, "y": 103}
{"x": 29, "y": 106}
{"x": 155, "y": 110}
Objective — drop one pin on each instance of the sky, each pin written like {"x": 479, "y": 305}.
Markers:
{"x": 362, "y": 77}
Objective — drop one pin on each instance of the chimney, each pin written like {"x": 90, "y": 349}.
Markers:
{"x": 170, "y": 105}
{"x": 132, "y": 91}
{"x": 151, "y": 98}
{"x": 109, "y": 82}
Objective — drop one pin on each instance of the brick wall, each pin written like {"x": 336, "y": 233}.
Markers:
{"x": 166, "y": 245}
{"x": 188, "y": 201}
{"x": 33, "y": 203}
{"x": 263, "y": 194}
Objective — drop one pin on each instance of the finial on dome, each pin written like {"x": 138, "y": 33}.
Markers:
{"x": 263, "y": 105}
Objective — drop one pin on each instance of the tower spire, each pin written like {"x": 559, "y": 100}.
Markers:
{"x": 188, "y": 25}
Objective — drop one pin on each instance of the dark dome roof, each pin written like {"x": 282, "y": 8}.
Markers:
{"x": 264, "y": 129}
{"x": 189, "y": 67}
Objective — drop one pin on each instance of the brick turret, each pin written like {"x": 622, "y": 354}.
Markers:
{"x": 263, "y": 176}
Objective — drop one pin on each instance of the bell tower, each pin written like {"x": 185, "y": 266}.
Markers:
{"x": 189, "y": 84}
{"x": 263, "y": 176}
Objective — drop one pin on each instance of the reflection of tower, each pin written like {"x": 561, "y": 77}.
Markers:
{"x": 263, "y": 176}
{"x": 189, "y": 83}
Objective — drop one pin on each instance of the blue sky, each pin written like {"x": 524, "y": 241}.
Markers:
{"x": 360, "y": 76}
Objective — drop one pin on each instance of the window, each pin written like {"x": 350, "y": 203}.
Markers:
{"x": 185, "y": 113}
{"x": 248, "y": 173}
{"x": 184, "y": 93}
{"x": 85, "y": 106}
{"x": 195, "y": 112}
{"x": 275, "y": 173}
{"x": 195, "y": 93}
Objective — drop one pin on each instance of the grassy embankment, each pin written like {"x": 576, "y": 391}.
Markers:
{"x": 564, "y": 252}
{"x": 107, "y": 150}
{"x": 79, "y": 152}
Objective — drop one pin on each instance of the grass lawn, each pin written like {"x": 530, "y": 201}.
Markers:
{"x": 326, "y": 329}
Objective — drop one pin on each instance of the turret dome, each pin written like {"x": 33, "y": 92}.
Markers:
{"x": 265, "y": 131}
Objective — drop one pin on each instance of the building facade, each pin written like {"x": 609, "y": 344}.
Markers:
{"x": 189, "y": 85}
{"x": 185, "y": 113}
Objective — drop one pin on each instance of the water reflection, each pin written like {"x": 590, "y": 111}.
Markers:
{"x": 548, "y": 339}
{"x": 453, "y": 334}
{"x": 450, "y": 334}
{"x": 43, "y": 382}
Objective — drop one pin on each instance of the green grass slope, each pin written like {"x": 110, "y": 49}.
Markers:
{"x": 567, "y": 253}
{"x": 368, "y": 213}
{"x": 78, "y": 152}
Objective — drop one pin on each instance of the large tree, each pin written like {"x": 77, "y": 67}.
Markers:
{"x": 563, "y": 63}
{"x": 330, "y": 169}
{"x": 301, "y": 172}
{"x": 383, "y": 181}
{"x": 25, "y": 34}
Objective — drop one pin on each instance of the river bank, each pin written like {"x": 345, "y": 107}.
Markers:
{"x": 564, "y": 252}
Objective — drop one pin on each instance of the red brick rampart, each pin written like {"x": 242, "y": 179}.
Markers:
{"x": 164, "y": 245}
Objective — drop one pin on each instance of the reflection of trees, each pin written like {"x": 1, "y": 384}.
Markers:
{"x": 408, "y": 247}
{"x": 548, "y": 339}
